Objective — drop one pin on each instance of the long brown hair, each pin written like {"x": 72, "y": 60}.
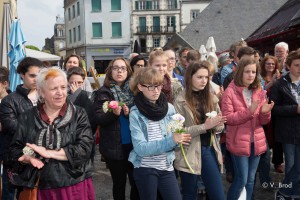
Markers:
{"x": 108, "y": 78}
{"x": 203, "y": 99}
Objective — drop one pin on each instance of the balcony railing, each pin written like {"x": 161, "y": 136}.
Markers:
{"x": 155, "y": 30}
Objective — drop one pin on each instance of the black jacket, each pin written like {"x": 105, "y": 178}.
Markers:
{"x": 110, "y": 145}
{"x": 76, "y": 140}
{"x": 285, "y": 117}
{"x": 11, "y": 107}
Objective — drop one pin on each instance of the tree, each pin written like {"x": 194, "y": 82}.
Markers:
{"x": 32, "y": 47}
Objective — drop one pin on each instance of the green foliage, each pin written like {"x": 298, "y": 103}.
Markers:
{"x": 32, "y": 47}
{"x": 47, "y": 51}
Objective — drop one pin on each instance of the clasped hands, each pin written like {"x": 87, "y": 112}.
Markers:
{"x": 35, "y": 162}
{"x": 265, "y": 108}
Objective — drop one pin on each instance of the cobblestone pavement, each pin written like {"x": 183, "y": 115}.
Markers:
{"x": 103, "y": 184}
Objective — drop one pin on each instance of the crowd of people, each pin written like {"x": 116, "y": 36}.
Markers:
{"x": 232, "y": 110}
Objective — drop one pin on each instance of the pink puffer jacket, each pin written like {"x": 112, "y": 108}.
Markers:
{"x": 241, "y": 125}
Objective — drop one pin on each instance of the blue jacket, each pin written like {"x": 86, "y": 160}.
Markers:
{"x": 139, "y": 136}
{"x": 227, "y": 69}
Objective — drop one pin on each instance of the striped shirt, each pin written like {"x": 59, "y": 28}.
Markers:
{"x": 158, "y": 161}
{"x": 295, "y": 89}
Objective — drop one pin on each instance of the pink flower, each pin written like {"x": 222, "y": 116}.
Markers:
{"x": 113, "y": 104}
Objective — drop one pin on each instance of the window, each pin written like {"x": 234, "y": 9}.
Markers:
{"x": 70, "y": 36}
{"x": 96, "y": 5}
{"x": 156, "y": 42}
{"x": 115, "y": 4}
{"x": 97, "y": 30}
{"x": 74, "y": 34}
{"x": 69, "y": 13}
{"x": 78, "y": 9}
{"x": 142, "y": 24}
{"x": 156, "y": 24}
{"x": 156, "y": 5}
{"x": 194, "y": 14}
{"x": 171, "y": 22}
{"x": 79, "y": 33}
{"x": 73, "y": 10}
{"x": 172, "y": 4}
{"x": 60, "y": 33}
{"x": 116, "y": 29}
{"x": 144, "y": 5}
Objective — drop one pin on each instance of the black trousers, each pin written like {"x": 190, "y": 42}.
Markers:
{"x": 277, "y": 158}
{"x": 119, "y": 169}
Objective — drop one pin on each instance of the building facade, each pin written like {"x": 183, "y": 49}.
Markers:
{"x": 59, "y": 37}
{"x": 154, "y": 22}
{"x": 98, "y": 30}
{"x": 190, "y": 10}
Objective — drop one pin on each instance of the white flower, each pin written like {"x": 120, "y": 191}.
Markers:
{"x": 211, "y": 114}
{"x": 178, "y": 117}
{"x": 28, "y": 151}
{"x": 105, "y": 107}
{"x": 176, "y": 124}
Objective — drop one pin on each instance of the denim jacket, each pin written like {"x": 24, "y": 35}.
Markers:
{"x": 139, "y": 135}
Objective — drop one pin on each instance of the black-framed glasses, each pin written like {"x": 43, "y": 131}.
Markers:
{"x": 122, "y": 69}
{"x": 153, "y": 87}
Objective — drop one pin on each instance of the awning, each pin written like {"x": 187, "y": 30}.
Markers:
{"x": 41, "y": 55}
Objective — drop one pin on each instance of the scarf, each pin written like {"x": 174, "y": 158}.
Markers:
{"x": 150, "y": 110}
{"x": 49, "y": 135}
{"x": 123, "y": 94}
{"x": 167, "y": 88}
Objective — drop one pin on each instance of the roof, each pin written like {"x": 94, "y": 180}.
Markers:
{"x": 41, "y": 55}
{"x": 228, "y": 21}
{"x": 283, "y": 20}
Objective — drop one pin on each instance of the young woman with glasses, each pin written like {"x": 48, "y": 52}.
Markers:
{"x": 153, "y": 145}
{"x": 115, "y": 143}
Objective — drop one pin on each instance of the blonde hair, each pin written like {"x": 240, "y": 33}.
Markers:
{"x": 155, "y": 54}
{"x": 147, "y": 75}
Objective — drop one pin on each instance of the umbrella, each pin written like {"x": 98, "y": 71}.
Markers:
{"x": 7, "y": 17}
{"x": 136, "y": 47}
{"x": 16, "y": 53}
{"x": 203, "y": 52}
{"x": 211, "y": 48}
{"x": 210, "y": 44}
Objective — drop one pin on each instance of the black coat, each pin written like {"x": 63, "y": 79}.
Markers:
{"x": 110, "y": 145}
{"x": 11, "y": 107}
{"x": 285, "y": 116}
{"x": 76, "y": 140}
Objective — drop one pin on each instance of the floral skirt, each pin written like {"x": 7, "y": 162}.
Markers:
{"x": 81, "y": 191}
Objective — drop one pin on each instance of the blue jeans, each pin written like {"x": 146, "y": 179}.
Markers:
{"x": 8, "y": 193}
{"x": 292, "y": 171}
{"x": 210, "y": 175}
{"x": 150, "y": 180}
{"x": 244, "y": 175}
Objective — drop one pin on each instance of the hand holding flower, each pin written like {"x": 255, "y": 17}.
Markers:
{"x": 113, "y": 106}
{"x": 214, "y": 120}
{"x": 182, "y": 138}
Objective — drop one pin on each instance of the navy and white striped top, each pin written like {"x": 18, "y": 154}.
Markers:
{"x": 156, "y": 161}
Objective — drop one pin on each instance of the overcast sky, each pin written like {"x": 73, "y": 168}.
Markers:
{"x": 38, "y": 18}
